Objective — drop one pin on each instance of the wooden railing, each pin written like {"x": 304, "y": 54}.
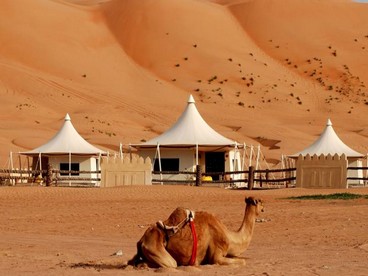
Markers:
{"x": 48, "y": 177}
{"x": 363, "y": 169}
{"x": 250, "y": 178}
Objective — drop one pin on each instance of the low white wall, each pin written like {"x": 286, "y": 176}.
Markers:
{"x": 120, "y": 172}
{"x": 321, "y": 171}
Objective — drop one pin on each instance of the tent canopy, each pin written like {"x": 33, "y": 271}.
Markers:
{"x": 328, "y": 143}
{"x": 190, "y": 130}
{"x": 66, "y": 141}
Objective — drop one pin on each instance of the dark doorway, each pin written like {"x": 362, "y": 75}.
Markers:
{"x": 215, "y": 162}
{"x": 36, "y": 162}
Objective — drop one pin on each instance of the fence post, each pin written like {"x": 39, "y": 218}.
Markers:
{"x": 49, "y": 175}
{"x": 198, "y": 175}
{"x": 250, "y": 178}
{"x": 267, "y": 177}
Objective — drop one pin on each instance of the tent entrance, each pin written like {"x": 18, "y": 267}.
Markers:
{"x": 215, "y": 162}
{"x": 40, "y": 162}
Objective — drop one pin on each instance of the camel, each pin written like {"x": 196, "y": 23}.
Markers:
{"x": 171, "y": 243}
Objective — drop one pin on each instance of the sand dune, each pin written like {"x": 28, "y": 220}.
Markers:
{"x": 123, "y": 69}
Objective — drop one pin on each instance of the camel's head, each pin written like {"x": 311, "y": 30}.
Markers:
{"x": 251, "y": 201}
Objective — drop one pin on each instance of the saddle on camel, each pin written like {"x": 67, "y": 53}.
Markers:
{"x": 195, "y": 238}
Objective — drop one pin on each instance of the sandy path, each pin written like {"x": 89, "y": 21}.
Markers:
{"x": 68, "y": 231}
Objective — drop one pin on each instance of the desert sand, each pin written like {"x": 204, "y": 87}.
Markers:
{"x": 263, "y": 72}
{"x": 76, "y": 231}
{"x": 267, "y": 72}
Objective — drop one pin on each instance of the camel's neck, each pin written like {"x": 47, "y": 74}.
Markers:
{"x": 239, "y": 240}
{"x": 249, "y": 219}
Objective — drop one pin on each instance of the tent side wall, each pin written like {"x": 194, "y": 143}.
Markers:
{"x": 353, "y": 162}
{"x": 85, "y": 163}
{"x": 186, "y": 158}
{"x": 234, "y": 163}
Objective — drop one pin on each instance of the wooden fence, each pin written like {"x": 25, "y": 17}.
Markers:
{"x": 48, "y": 177}
{"x": 250, "y": 178}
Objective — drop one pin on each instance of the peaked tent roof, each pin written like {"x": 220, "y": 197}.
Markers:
{"x": 66, "y": 141}
{"x": 189, "y": 130}
{"x": 328, "y": 143}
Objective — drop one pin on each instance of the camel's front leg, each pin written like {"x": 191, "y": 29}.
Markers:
{"x": 153, "y": 249}
{"x": 220, "y": 259}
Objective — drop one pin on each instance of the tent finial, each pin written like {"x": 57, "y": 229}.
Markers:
{"x": 191, "y": 99}
{"x": 67, "y": 117}
{"x": 329, "y": 123}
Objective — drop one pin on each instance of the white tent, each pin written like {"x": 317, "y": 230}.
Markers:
{"x": 329, "y": 143}
{"x": 66, "y": 140}
{"x": 190, "y": 130}
{"x": 67, "y": 150}
{"x": 190, "y": 142}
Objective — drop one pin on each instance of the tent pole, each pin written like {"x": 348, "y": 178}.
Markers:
{"x": 258, "y": 152}
{"x": 11, "y": 160}
{"x": 159, "y": 161}
{"x": 251, "y": 156}
{"x": 40, "y": 163}
{"x": 39, "y": 160}
{"x": 366, "y": 172}
{"x": 70, "y": 167}
{"x": 235, "y": 159}
{"x": 243, "y": 159}
{"x": 20, "y": 161}
{"x": 154, "y": 158}
{"x": 282, "y": 167}
{"x": 20, "y": 167}
{"x": 11, "y": 167}
{"x": 28, "y": 169}
{"x": 257, "y": 158}
{"x": 99, "y": 168}
{"x": 121, "y": 151}
{"x": 196, "y": 154}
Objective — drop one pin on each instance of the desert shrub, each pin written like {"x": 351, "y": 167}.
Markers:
{"x": 343, "y": 196}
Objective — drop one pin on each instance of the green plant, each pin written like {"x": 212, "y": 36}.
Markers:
{"x": 343, "y": 196}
